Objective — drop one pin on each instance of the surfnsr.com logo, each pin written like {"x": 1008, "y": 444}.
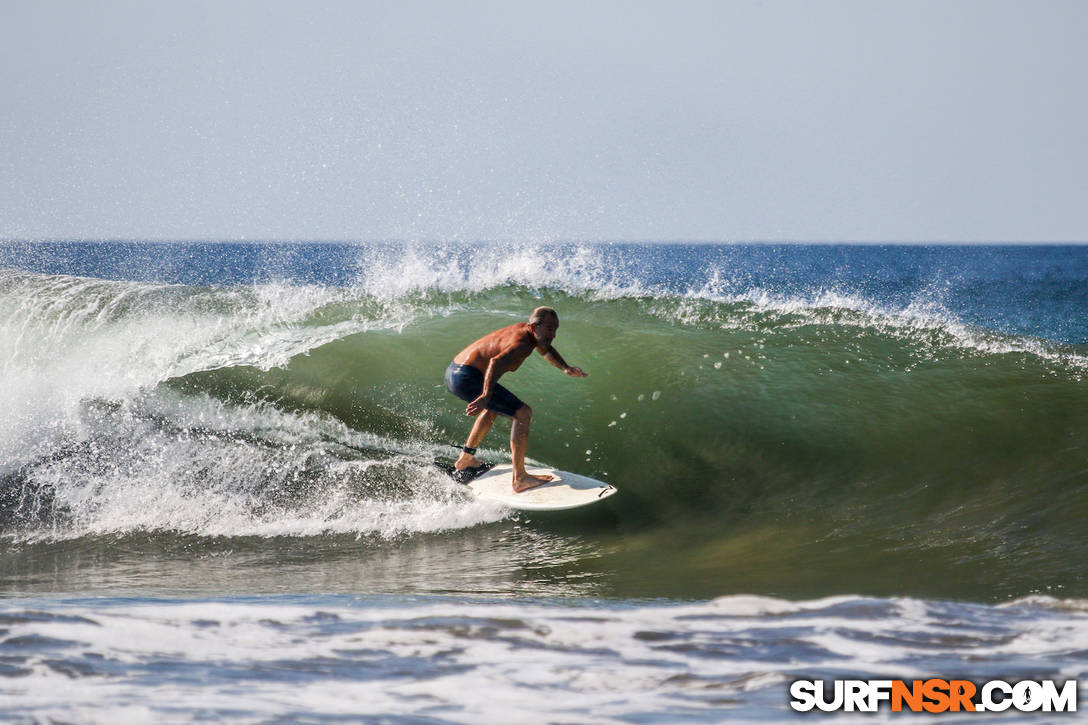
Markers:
{"x": 934, "y": 695}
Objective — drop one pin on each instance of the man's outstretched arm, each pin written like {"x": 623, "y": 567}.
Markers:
{"x": 552, "y": 355}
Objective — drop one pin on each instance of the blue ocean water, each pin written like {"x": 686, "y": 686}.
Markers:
{"x": 1036, "y": 290}
{"x": 216, "y": 497}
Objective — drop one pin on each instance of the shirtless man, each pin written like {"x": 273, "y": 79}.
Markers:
{"x": 473, "y": 377}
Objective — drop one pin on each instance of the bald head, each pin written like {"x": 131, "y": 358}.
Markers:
{"x": 544, "y": 322}
{"x": 543, "y": 314}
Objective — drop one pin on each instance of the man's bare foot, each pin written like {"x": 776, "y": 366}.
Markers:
{"x": 466, "y": 461}
{"x": 524, "y": 483}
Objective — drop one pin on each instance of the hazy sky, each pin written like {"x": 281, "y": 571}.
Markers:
{"x": 545, "y": 121}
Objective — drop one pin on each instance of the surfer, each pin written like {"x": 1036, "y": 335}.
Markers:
{"x": 473, "y": 377}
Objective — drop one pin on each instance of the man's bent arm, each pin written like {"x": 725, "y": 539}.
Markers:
{"x": 495, "y": 369}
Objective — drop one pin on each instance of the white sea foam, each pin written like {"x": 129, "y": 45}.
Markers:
{"x": 198, "y": 466}
{"x": 728, "y": 659}
{"x": 411, "y": 270}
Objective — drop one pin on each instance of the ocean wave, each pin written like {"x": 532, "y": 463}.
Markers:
{"x": 291, "y": 409}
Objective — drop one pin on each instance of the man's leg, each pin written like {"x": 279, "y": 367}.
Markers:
{"x": 479, "y": 430}
{"x": 519, "y": 441}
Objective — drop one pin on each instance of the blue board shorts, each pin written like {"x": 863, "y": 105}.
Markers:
{"x": 466, "y": 382}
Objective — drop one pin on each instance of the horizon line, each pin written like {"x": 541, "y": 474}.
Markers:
{"x": 284, "y": 240}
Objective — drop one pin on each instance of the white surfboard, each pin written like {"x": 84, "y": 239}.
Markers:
{"x": 565, "y": 491}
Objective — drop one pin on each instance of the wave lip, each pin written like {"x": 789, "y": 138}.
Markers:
{"x": 675, "y": 290}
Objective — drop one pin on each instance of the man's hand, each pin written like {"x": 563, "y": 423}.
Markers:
{"x": 478, "y": 405}
{"x": 576, "y": 373}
